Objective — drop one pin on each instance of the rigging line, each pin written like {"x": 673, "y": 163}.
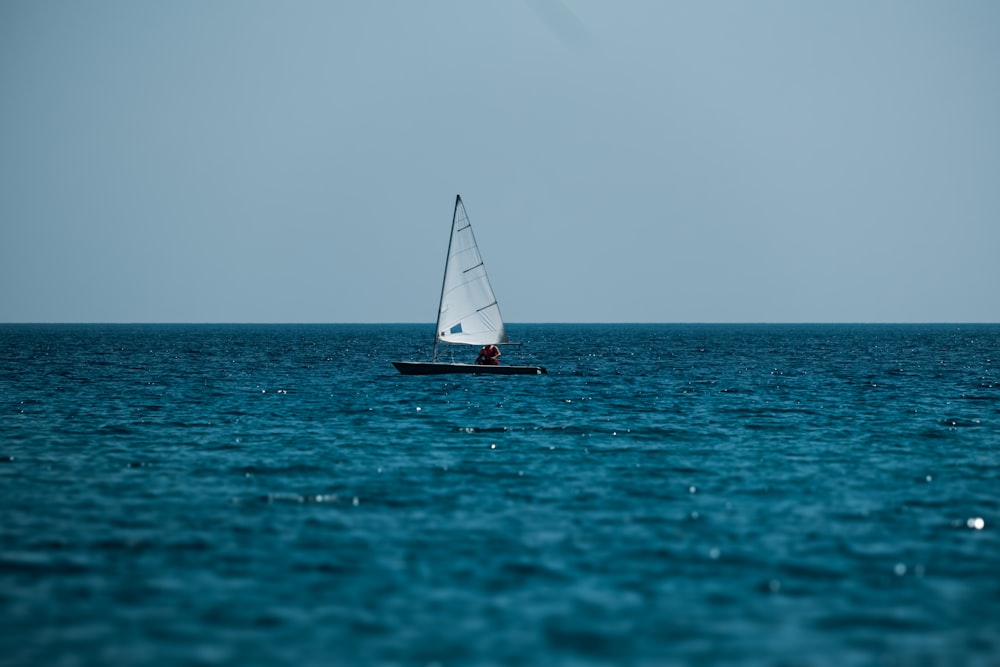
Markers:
{"x": 444, "y": 278}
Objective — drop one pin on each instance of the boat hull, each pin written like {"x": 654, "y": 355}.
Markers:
{"x": 424, "y": 368}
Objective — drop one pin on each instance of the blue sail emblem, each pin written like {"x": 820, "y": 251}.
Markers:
{"x": 457, "y": 329}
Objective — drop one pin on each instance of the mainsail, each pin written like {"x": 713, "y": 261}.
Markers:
{"x": 468, "y": 312}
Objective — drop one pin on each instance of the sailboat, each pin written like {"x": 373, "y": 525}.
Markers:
{"x": 468, "y": 313}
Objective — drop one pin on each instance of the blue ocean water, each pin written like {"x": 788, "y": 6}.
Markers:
{"x": 666, "y": 495}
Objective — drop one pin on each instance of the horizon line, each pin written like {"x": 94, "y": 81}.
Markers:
{"x": 528, "y": 323}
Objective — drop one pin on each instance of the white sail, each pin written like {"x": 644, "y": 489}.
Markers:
{"x": 468, "y": 312}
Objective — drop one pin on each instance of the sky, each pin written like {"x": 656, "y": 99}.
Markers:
{"x": 635, "y": 161}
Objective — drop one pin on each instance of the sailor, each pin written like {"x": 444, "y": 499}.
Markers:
{"x": 489, "y": 356}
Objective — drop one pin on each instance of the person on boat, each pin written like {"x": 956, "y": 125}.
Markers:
{"x": 489, "y": 356}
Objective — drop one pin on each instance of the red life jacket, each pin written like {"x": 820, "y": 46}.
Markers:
{"x": 488, "y": 355}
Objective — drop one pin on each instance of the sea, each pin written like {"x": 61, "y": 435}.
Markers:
{"x": 788, "y": 495}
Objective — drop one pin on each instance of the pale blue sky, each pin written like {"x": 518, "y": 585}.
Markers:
{"x": 709, "y": 161}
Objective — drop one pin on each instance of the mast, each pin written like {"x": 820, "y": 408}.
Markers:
{"x": 444, "y": 279}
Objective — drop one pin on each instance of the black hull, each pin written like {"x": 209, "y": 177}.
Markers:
{"x": 421, "y": 368}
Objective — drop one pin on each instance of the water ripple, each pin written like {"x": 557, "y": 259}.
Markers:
{"x": 821, "y": 495}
